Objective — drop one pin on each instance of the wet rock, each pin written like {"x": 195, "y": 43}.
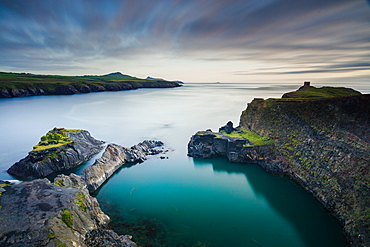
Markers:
{"x": 103, "y": 238}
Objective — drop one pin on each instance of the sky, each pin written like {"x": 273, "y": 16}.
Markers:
{"x": 237, "y": 41}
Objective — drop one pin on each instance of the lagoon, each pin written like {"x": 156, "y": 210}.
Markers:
{"x": 179, "y": 201}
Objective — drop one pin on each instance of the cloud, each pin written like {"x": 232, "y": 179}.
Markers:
{"x": 299, "y": 35}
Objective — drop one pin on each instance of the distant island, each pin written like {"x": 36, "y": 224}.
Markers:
{"x": 318, "y": 137}
{"x": 26, "y": 84}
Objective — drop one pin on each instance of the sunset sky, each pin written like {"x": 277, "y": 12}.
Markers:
{"x": 324, "y": 41}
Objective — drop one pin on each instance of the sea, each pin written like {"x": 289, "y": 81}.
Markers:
{"x": 178, "y": 200}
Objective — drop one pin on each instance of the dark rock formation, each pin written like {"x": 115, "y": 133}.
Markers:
{"x": 322, "y": 144}
{"x": 44, "y": 161}
{"x": 114, "y": 157}
{"x": 228, "y": 128}
{"x": 208, "y": 144}
{"x": 39, "y": 213}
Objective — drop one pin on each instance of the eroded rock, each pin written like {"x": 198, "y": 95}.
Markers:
{"x": 114, "y": 157}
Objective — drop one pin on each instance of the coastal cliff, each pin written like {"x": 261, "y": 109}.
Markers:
{"x": 20, "y": 85}
{"x": 323, "y": 144}
{"x": 40, "y": 213}
{"x": 60, "y": 149}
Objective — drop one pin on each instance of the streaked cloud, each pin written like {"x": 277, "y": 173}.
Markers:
{"x": 238, "y": 39}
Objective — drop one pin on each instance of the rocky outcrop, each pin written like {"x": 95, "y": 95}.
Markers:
{"x": 322, "y": 144}
{"x": 208, "y": 144}
{"x": 114, "y": 157}
{"x": 49, "y": 157}
{"x": 228, "y": 128}
{"x": 39, "y": 213}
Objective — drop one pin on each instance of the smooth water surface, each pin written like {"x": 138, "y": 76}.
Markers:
{"x": 179, "y": 201}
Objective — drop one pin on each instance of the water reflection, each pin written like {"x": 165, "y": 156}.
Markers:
{"x": 308, "y": 218}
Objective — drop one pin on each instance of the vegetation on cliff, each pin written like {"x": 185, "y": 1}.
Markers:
{"x": 54, "y": 138}
{"x": 243, "y": 134}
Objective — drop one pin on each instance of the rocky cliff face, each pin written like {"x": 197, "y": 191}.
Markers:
{"x": 75, "y": 89}
{"x": 54, "y": 157}
{"x": 208, "y": 144}
{"x": 114, "y": 157}
{"x": 322, "y": 144}
{"x": 39, "y": 213}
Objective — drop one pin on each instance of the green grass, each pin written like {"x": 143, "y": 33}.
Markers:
{"x": 59, "y": 183}
{"x": 326, "y": 92}
{"x": 53, "y": 82}
{"x": 67, "y": 218}
{"x": 79, "y": 202}
{"x": 54, "y": 138}
{"x": 244, "y": 134}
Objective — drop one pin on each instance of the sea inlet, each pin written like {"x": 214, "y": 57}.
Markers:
{"x": 176, "y": 201}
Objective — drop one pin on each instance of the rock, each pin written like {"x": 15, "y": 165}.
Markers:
{"x": 228, "y": 128}
{"x": 207, "y": 144}
{"x": 46, "y": 159}
{"x": 102, "y": 238}
{"x": 53, "y": 215}
{"x": 114, "y": 157}
{"x": 322, "y": 144}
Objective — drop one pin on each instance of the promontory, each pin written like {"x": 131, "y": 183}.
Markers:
{"x": 319, "y": 137}
{"x": 25, "y": 84}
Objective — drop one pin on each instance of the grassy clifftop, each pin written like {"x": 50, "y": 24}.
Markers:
{"x": 311, "y": 92}
{"x": 324, "y": 145}
{"x": 21, "y": 84}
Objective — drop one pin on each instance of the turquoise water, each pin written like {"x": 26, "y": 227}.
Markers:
{"x": 179, "y": 201}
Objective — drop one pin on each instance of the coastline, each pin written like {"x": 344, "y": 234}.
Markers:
{"x": 322, "y": 145}
{"x": 22, "y": 85}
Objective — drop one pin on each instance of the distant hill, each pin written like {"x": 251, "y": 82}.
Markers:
{"x": 22, "y": 84}
{"x": 119, "y": 74}
{"x": 160, "y": 79}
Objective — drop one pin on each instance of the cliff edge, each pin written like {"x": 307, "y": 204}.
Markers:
{"x": 322, "y": 143}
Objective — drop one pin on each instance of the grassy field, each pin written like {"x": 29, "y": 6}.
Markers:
{"x": 323, "y": 92}
{"x": 244, "y": 134}
{"x": 52, "y": 82}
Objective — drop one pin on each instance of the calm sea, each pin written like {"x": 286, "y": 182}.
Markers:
{"x": 179, "y": 201}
